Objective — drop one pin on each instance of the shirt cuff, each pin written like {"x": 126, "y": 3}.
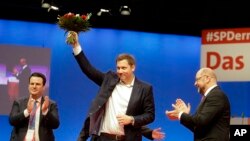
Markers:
{"x": 179, "y": 116}
{"x": 77, "y": 50}
{"x": 45, "y": 113}
{"x": 26, "y": 113}
{"x": 133, "y": 120}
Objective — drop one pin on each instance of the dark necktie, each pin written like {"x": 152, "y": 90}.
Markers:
{"x": 203, "y": 98}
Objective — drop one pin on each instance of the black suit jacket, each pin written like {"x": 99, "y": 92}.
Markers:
{"x": 211, "y": 121}
{"x": 23, "y": 78}
{"x": 141, "y": 104}
{"x": 20, "y": 122}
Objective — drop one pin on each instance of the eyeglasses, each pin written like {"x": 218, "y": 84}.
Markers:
{"x": 199, "y": 78}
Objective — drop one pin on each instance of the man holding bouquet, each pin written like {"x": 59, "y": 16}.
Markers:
{"x": 123, "y": 104}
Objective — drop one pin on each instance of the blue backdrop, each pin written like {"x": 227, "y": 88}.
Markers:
{"x": 168, "y": 62}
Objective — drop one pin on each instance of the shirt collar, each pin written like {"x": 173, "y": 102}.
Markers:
{"x": 209, "y": 89}
{"x": 128, "y": 85}
{"x": 24, "y": 66}
{"x": 38, "y": 100}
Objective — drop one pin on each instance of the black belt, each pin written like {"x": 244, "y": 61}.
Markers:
{"x": 114, "y": 137}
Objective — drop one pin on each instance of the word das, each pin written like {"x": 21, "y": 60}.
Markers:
{"x": 224, "y": 62}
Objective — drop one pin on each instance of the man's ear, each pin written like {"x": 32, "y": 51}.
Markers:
{"x": 133, "y": 67}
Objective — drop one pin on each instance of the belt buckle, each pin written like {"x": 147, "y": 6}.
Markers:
{"x": 117, "y": 137}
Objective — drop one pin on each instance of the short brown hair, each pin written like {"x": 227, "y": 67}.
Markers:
{"x": 125, "y": 56}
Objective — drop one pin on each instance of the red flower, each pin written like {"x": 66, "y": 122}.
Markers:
{"x": 69, "y": 15}
{"x": 84, "y": 17}
{"x": 74, "y": 22}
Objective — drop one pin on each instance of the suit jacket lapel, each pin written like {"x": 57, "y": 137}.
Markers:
{"x": 113, "y": 84}
{"x": 134, "y": 96}
{"x": 209, "y": 94}
{"x": 201, "y": 104}
{"x": 42, "y": 100}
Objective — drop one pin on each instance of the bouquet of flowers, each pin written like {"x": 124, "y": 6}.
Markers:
{"x": 74, "y": 22}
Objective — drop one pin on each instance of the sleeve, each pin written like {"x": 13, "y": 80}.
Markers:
{"x": 205, "y": 115}
{"x": 147, "y": 132}
{"x": 51, "y": 119}
{"x": 84, "y": 133}
{"x": 17, "y": 116}
{"x": 148, "y": 106}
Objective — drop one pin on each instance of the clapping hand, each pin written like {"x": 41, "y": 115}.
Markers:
{"x": 14, "y": 71}
{"x": 179, "y": 106}
{"x": 30, "y": 105}
{"x": 45, "y": 105}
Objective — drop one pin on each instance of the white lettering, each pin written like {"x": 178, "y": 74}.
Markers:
{"x": 228, "y": 36}
{"x": 239, "y": 132}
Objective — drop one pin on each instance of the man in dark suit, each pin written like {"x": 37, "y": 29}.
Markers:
{"x": 211, "y": 120}
{"x": 148, "y": 133}
{"x": 23, "y": 76}
{"x": 123, "y": 104}
{"x": 23, "y": 113}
